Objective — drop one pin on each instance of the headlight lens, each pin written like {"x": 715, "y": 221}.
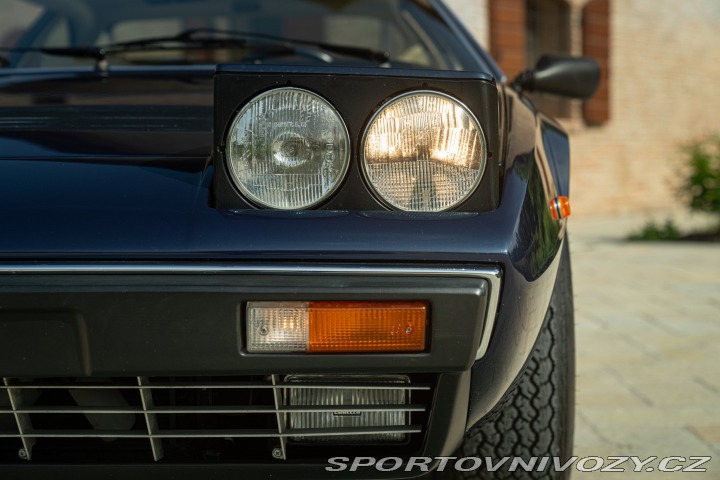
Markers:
{"x": 424, "y": 151}
{"x": 288, "y": 149}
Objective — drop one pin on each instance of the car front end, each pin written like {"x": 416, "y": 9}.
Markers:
{"x": 253, "y": 268}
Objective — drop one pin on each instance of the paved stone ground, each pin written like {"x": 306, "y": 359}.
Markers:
{"x": 648, "y": 346}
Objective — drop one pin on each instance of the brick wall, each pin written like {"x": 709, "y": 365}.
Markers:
{"x": 661, "y": 92}
{"x": 507, "y": 35}
{"x": 595, "y": 39}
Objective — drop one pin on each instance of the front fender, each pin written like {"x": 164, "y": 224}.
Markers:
{"x": 529, "y": 277}
{"x": 537, "y": 171}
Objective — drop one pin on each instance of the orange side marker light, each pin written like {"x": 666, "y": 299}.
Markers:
{"x": 560, "y": 207}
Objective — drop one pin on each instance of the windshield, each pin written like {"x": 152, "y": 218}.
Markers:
{"x": 409, "y": 32}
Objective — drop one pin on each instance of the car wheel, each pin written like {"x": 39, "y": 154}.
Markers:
{"x": 536, "y": 419}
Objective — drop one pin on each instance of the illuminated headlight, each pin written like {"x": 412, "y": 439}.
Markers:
{"x": 288, "y": 149}
{"x": 424, "y": 151}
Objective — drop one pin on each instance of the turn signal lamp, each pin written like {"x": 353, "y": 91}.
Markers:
{"x": 560, "y": 207}
{"x": 336, "y": 327}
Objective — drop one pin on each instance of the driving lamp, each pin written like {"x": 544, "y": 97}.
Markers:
{"x": 357, "y": 407}
{"x": 287, "y": 149}
{"x": 336, "y": 327}
{"x": 424, "y": 151}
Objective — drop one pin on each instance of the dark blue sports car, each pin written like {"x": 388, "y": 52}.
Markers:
{"x": 265, "y": 239}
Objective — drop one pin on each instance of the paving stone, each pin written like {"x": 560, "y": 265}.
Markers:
{"x": 648, "y": 346}
{"x": 602, "y": 388}
{"x": 709, "y": 434}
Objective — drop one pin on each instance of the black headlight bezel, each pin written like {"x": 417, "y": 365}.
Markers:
{"x": 357, "y": 94}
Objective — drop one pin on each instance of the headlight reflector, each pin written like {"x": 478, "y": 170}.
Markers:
{"x": 424, "y": 151}
{"x": 288, "y": 149}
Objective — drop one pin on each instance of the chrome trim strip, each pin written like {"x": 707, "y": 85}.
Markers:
{"x": 218, "y": 386}
{"x": 246, "y": 433}
{"x": 492, "y": 275}
{"x": 260, "y": 409}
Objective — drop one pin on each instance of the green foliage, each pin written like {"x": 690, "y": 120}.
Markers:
{"x": 703, "y": 180}
{"x": 653, "y": 231}
{"x": 700, "y": 190}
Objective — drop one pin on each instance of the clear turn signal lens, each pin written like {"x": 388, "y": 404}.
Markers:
{"x": 277, "y": 327}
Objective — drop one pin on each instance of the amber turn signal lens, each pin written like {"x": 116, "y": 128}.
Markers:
{"x": 564, "y": 203}
{"x": 560, "y": 207}
{"x": 347, "y": 327}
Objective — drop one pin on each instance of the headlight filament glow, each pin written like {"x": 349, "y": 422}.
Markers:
{"x": 424, "y": 151}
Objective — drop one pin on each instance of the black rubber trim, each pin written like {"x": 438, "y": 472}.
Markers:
{"x": 192, "y": 324}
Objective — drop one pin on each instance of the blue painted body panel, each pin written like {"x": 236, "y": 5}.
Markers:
{"x": 135, "y": 183}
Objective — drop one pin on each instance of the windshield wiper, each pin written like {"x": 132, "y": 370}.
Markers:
{"x": 79, "y": 52}
{"x": 218, "y": 36}
{"x": 191, "y": 39}
{"x": 98, "y": 54}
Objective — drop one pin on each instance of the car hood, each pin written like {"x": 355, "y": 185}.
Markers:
{"x": 55, "y": 114}
{"x": 87, "y": 161}
{"x": 119, "y": 167}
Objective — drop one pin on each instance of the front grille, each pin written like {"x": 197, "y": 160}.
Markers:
{"x": 205, "y": 419}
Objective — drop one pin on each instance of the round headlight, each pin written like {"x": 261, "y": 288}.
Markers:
{"x": 424, "y": 151}
{"x": 288, "y": 149}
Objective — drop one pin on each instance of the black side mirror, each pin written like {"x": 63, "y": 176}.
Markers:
{"x": 574, "y": 77}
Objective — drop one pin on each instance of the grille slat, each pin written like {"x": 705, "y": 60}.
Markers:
{"x": 150, "y": 418}
{"x": 22, "y": 420}
{"x": 210, "y": 416}
{"x": 218, "y": 410}
{"x": 232, "y": 386}
{"x": 269, "y": 433}
{"x": 280, "y": 417}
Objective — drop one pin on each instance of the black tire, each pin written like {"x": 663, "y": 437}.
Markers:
{"x": 536, "y": 419}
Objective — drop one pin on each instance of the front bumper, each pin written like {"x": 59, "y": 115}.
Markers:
{"x": 145, "y": 321}
{"x": 188, "y": 319}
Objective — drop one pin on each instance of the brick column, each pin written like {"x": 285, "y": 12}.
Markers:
{"x": 596, "y": 44}
{"x": 507, "y": 35}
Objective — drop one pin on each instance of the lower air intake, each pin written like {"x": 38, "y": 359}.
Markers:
{"x": 208, "y": 419}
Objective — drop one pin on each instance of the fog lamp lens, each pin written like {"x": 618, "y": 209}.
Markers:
{"x": 336, "y": 327}
{"x": 347, "y": 414}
